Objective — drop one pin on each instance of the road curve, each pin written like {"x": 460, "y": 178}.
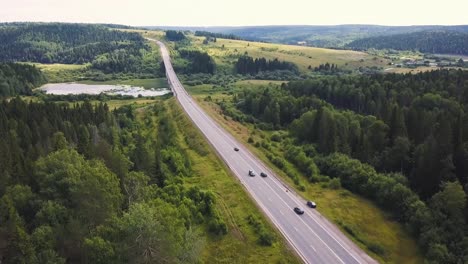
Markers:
{"x": 315, "y": 239}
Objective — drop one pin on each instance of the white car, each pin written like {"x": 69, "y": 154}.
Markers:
{"x": 251, "y": 173}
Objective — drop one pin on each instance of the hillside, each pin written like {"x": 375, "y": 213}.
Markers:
{"x": 62, "y": 43}
{"x": 226, "y": 52}
{"x": 317, "y": 36}
{"x": 104, "y": 49}
{"x": 444, "y": 42}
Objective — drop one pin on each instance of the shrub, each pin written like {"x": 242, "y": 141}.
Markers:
{"x": 266, "y": 238}
{"x": 334, "y": 183}
{"x": 276, "y": 137}
{"x": 376, "y": 248}
{"x": 217, "y": 226}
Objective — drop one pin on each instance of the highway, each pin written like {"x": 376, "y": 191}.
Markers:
{"x": 314, "y": 238}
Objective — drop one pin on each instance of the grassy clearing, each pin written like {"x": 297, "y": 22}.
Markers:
{"x": 241, "y": 244}
{"x": 358, "y": 218}
{"x": 145, "y": 83}
{"x": 56, "y": 67}
{"x": 225, "y": 52}
{"x": 62, "y": 72}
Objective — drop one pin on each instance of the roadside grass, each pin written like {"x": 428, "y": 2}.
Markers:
{"x": 145, "y": 83}
{"x": 225, "y": 53}
{"x": 360, "y": 219}
{"x": 241, "y": 243}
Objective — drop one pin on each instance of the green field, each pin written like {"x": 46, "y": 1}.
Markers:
{"x": 241, "y": 244}
{"x": 225, "y": 52}
{"x": 350, "y": 212}
{"x": 62, "y": 72}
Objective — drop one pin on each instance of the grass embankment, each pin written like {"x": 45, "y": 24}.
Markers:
{"x": 241, "y": 244}
{"x": 360, "y": 219}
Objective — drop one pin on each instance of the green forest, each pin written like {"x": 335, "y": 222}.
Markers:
{"x": 249, "y": 65}
{"x": 399, "y": 140}
{"x": 18, "y": 79}
{"x": 82, "y": 183}
{"x": 445, "y": 42}
{"x": 104, "y": 49}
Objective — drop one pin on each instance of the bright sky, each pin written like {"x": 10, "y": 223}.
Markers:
{"x": 238, "y": 12}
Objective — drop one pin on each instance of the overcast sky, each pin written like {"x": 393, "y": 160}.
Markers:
{"x": 238, "y": 12}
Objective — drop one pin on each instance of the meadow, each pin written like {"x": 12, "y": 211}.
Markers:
{"x": 226, "y": 51}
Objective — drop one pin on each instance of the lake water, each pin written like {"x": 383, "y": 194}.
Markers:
{"x": 78, "y": 88}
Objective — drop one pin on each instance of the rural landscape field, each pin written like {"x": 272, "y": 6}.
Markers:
{"x": 184, "y": 132}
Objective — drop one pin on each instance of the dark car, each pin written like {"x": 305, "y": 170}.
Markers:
{"x": 236, "y": 149}
{"x": 251, "y": 173}
{"x": 298, "y": 210}
{"x": 311, "y": 204}
{"x": 263, "y": 174}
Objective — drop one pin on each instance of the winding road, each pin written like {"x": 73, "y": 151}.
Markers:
{"x": 314, "y": 238}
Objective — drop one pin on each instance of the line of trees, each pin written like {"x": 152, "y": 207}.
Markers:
{"x": 216, "y": 35}
{"x": 174, "y": 35}
{"x": 18, "y": 79}
{"x": 199, "y": 62}
{"x": 249, "y": 65}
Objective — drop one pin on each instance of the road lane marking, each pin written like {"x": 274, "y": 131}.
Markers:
{"x": 313, "y": 248}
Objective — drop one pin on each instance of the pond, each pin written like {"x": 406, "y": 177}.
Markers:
{"x": 78, "y": 88}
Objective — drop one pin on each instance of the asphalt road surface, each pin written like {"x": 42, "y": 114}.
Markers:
{"x": 313, "y": 237}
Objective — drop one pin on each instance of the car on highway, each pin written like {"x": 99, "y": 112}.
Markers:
{"x": 298, "y": 210}
{"x": 311, "y": 204}
{"x": 263, "y": 174}
{"x": 236, "y": 149}
{"x": 251, "y": 173}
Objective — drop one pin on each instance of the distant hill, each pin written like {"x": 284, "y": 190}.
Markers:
{"x": 319, "y": 36}
{"x": 63, "y": 42}
{"x": 445, "y": 42}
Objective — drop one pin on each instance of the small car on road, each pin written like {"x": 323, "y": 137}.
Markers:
{"x": 251, "y": 173}
{"x": 236, "y": 149}
{"x": 298, "y": 210}
{"x": 311, "y": 204}
{"x": 263, "y": 174}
